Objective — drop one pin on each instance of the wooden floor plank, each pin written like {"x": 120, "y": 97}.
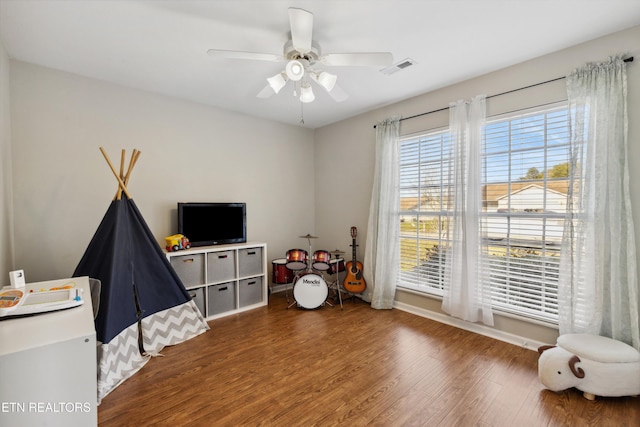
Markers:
{"x": 358, "y": 366}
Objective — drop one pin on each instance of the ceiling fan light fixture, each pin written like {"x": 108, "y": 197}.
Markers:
{"x": 327, "y": 80}
{"x": 306, "y": 93}
{"x": 294, "y": 70}
{"x": 277, "y": 82}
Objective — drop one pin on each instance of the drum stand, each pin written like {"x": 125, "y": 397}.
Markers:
{"x": 286, "y": 289}
{"x": 335, "y": 285}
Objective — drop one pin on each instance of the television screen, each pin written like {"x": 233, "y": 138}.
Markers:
{"x": 207, "y": 224}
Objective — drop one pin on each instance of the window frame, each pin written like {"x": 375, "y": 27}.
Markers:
{"x": 414, "y": 281}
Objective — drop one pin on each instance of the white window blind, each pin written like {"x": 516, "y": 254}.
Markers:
{"x": 424, "y": 210}
{"x": 524, "y": 193}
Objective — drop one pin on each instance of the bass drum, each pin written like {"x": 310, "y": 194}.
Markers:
{"x": 310, "y": 291}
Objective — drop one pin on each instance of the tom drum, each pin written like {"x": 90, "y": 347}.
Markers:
{"x": 336, "y": 265}
{"x": 321, "y": 260}
{"x": 281, "y": 274}
{"x": 310, "y": 291}
{"x": 297, "y": 259}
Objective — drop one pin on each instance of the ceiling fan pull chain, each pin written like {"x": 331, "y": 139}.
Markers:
{"x": 301, "y": 113}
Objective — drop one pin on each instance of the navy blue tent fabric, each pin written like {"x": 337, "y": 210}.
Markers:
{"x": 123, "y": 254}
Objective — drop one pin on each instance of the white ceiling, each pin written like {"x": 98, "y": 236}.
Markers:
{"x": 160, "y": 46}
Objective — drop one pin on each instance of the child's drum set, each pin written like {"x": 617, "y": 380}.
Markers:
{"x": 312, "y": 277}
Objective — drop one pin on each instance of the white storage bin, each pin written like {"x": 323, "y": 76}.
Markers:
{"x": 250, "y": 291}
{"x": 190, "y": 269}
{"x": 221, "y": 298}
{"x": 250, "y": 262}
{"x": 197, "y": 295}
{"x": 221, "y": 266}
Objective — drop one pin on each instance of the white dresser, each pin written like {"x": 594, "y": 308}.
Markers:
{"x": 48, "y": 365}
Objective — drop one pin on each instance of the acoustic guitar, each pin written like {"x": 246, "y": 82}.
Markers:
{"x": 354, "y": 282}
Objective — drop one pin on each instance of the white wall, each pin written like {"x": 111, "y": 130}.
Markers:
{"x": 354, "y": 139}
{"x": 6, "y": 228}
{"x": 190, "y": 152}
{"x": 344, "y": 159}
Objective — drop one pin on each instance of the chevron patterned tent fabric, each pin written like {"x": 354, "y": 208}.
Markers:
{"x": 120, "y": 358}
{"x": 143, "y": 304}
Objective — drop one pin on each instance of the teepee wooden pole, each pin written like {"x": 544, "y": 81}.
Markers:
{"x": 132, "y": 162}
{"x": 118, "y": 195}
{"x": 134, "y": 158}
{"x": 115, "y": 173}
{"x": 123, "y": 156}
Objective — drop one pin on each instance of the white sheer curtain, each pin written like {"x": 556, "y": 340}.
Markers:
{"x": 598, "y": 285}
{"x": 382, "y": 252}
{"x": 467, "y": 294}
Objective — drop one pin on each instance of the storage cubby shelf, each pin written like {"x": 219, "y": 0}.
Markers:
{"x": 224, "y": 279}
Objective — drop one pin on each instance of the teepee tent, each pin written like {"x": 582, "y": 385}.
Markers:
{"x": 143, "y": 304}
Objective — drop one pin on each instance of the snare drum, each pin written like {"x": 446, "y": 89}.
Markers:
{"x": 310, "y": 291}
{"x": 336, "y": 265}
{"x": 321, "y": 260}
{"x": 281, "y": 275}
{"x": 297, "y": 259}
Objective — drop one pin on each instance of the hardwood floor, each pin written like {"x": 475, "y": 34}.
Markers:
{"x": 357, "y": 366}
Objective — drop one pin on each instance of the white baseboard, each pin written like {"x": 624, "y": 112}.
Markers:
{"x": 278, "y": 288}
{"x": 471, "y": 327}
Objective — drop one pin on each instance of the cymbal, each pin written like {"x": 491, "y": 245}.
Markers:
{"x": 309, "y": 236}
{"x": 337, "y": 252}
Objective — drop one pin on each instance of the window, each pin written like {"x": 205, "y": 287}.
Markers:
{"x": 524, "y": 194}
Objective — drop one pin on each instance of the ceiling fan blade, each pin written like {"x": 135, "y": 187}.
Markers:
{"x": 338, "y": 94}
{"x": 301, "y": 29}
{"x": 266, "y": 92}
{"x": 363, "y": 59}
{"x": 236, "y": 54}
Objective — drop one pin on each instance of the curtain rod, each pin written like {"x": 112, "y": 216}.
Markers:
{"x": 630, "y": 59}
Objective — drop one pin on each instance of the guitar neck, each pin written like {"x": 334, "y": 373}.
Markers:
{"x": 354, "y": 251}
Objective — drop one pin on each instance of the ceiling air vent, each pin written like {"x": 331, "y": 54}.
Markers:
{"x": 405, "y": 63}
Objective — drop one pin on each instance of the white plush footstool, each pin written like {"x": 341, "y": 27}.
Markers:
{"x": 597, "y": 366}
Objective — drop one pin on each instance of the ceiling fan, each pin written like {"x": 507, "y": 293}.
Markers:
{"x": 302, "y": 55}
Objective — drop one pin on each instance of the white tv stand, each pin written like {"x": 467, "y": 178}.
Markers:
{"x": 224, "y": 279}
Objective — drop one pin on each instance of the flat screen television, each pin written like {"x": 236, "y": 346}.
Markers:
{"x": 206, "y": 224}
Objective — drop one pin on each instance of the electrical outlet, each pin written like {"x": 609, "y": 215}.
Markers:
{"x": 17, "y": 279}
